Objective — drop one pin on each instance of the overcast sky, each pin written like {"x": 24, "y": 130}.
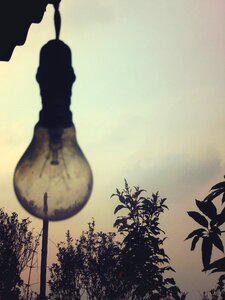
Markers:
{"x": 148, "y": 105}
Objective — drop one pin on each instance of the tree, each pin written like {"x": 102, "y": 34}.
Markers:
{"x": 103, "y": 268}
{"x": 210, "y": 233}
{"x": 100, "y": 254}
{"x": 88, "y": 265}
{"x": 16, "y": 249}
{"x": 143, "y": 259}
{"x": 65, "y": 279}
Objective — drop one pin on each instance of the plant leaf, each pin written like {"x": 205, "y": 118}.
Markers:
{"x": 194, "y": 242}
{"x": 215, "y": 229}
{"x": 174, "y": 290}
{"x": 220, "y": 185}
{"x": 120, "y": 221}
{"x": 207, "y": 207}
{"x": 217, "y": 241}
{"x": 198, "y": 218}
{"x": 170, "y": 281}
{"x": 118, "y": 208}
{"x": 206, "y": 252}
{"x": 223, "y": 213}
{"x": 213, "y": 195}
{"x": 223, "y": 198}
{"x": 220, "y": 219}
{"x": 197, "y": 232}
{"x": 218, "y": 265}
{"x": 137, "y": 193}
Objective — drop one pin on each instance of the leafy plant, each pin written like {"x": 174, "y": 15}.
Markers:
{"x": 101, "y": 268}
{"x": 65, "y": 274}
{"x": 218, "y": 293}
{"x": 211, "y": 231}
{"x": 100, "y": 254}
{"x": 143, "y": 258}
{"x": 16, "y": 250}
{"x": 86, "y": 266}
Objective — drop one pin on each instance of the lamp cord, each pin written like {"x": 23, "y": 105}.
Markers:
{"x": 57, "y": 19}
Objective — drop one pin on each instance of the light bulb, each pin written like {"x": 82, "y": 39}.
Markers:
{"x": 53, "y": 162}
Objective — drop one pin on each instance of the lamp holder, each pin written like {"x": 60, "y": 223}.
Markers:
{"x": 55, "y": 76}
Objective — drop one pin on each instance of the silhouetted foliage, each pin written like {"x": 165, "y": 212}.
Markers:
{"x": 65, "y": 274}
{"x": 100, "y": 263}
{"x": 103, "y": 268}
{"x": 218, "y": 293}
{"x": 211, "y": 235}
{"x": 143, "y": 258}
{"x": 211, "y": 232}
{"x": 16, "y": 248}
{"x": 87, "y": 266}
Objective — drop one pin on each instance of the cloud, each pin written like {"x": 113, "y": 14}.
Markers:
{"x": 177, "y": 175}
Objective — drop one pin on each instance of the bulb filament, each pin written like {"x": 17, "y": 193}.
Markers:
{"x": 55, "y": 148}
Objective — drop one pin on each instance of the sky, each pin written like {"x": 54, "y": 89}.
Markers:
{"x": 148, "y": 105}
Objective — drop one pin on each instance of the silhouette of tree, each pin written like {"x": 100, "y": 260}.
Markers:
{"x": 87, "y": 266}
{"x": 210, "y": 233}
{"x": 65, "y": 275}
{"x": 100, "y": 264}
{"x": 143, "y": 258}
{"x": 103, "y": 268}
{"x": 16, "y": 249}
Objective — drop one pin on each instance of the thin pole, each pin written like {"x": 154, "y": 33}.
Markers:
{"x": 34, "y": 251}
{"x": 44, "y": 251}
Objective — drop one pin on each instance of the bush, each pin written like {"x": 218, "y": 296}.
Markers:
{"x": 16, "y": 249}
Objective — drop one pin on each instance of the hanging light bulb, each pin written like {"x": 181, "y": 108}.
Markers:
{"x": 54, "y": 163}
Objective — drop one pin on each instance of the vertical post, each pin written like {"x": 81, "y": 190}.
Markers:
{"x": 44, "y": 251}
